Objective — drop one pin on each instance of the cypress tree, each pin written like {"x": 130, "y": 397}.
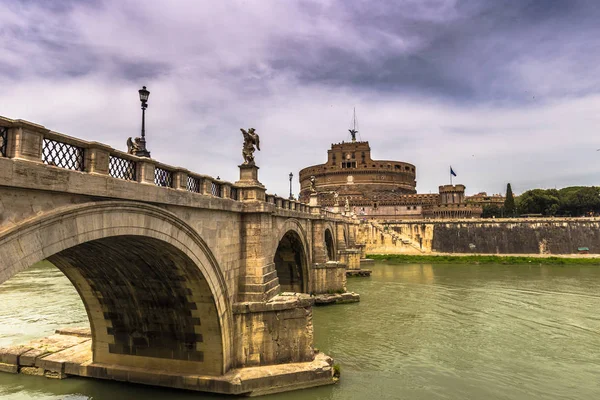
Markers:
{"x": 509, "y": 202}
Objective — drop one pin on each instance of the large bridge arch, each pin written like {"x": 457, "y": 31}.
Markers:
{"x": 153, "y": 290}
{"x": 291, "y": 256}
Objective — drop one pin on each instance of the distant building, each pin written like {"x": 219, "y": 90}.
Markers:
{"x": 379, "y": 189}
{"x": 482, "y": 199}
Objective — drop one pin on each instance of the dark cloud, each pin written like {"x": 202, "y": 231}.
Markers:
{"x": 469, "y": 55}
{"x": 471, "y": 83}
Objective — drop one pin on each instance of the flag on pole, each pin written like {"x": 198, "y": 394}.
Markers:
{"x": 452, "y": 171}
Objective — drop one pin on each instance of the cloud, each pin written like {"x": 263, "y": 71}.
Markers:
{"x": 503, "y": 91}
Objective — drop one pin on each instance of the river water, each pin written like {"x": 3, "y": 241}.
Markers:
{"x": 419, "y": 332}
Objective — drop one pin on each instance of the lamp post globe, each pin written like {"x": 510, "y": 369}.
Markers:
{"x": 144, "y": 94}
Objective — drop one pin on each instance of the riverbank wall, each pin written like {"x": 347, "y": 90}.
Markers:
{"x": 483, "y": 236}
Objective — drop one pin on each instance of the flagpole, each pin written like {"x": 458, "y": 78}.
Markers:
{"x": 450, "y": 175}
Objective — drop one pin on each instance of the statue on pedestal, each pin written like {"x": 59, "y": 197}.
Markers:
{"x": 251, "y": 139}
{"x": 137, "y": 147}
{"x": 353, "y": 133}
{"x": 313, "y": 180}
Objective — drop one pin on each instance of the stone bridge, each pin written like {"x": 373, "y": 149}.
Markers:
{"x": 188, "y": 281}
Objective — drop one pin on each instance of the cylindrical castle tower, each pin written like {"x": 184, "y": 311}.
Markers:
{"x": 350, "y": 171}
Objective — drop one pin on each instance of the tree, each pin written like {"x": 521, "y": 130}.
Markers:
{"x": 491, "y": 210}
{"x": 509, "y": 202}
{"x": 579, "y": 201}
{"x": 539, "y": 201}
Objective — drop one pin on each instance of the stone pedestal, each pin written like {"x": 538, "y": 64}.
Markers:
{"x": 328, "y": 277}
{"x": 350, "y": 257}
{"x": 250, "y": 189}
{"x": 314, "y": 200}
{"x": 97, "y": 158}
{"x": 25, "y": 141}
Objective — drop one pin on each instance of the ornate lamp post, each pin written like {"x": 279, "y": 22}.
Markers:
{"x": 139, "y": 147}
{"x": 291, "y": 195}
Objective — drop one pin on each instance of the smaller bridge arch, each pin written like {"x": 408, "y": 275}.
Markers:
{"x": 291, "y": 257}
{"x": 330, "y": 241}
{"x": 329, "y": 245}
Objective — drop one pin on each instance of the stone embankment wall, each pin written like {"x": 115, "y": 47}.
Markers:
{"x": 379, "y": 239}
{"x": 505, "y": 236}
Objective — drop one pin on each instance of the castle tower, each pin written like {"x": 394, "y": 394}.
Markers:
{"x": 452, "y": 194}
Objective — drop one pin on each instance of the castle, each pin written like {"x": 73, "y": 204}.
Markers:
{"x": 379, "y": 189}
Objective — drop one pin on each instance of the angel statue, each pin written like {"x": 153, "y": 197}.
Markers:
{"x": 313, "y": 181}
{"x": 353, "y": 133}
{"x": 137, "y": 147}
{"x": 251, "y": 139}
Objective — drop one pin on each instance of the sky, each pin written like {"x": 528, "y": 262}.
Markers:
{"x": 503, "y": 91}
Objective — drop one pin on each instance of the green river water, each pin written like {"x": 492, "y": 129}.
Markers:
{"x": 419, "y": 332}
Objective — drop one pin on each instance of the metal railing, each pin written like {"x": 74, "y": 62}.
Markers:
{"x": 62, "y": 155}
{"x": 194, "y": 184}
{"x": 163, "y": 177}
{"x": 3, "y": 141}
{"x": 122, "y": 168}
{"x": 216, "y": 189}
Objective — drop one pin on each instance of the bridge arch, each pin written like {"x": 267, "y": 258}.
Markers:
{"x": 291, "y": 257}
{"x": 330, "y": 243}
{"x": 346, "y": 235}
{"x": 153, "y": 291}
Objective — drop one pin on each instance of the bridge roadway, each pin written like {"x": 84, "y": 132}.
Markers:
{"x": 180, "y": 273}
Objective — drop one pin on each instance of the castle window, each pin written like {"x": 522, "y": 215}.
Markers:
{"x": 353, "y": 155}
{"x": 397, "y": 167}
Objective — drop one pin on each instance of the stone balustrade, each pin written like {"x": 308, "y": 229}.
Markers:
{"x": 20, "y": 139}
{"x": 287, "y": 204}
{"x": 24, "y": 140}
{"x": 31, "y": 142}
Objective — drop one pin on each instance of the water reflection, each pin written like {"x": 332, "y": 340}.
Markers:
{"x": 414, "y": 273}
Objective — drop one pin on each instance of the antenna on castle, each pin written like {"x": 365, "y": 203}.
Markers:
{"x": 353, "y": 131}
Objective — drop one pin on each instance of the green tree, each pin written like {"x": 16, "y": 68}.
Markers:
{"x": 509, "y": 202}
{"x": 539, "y": 201}
{"x": 491, "y": 210}
{"x": 579, "y": 201}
